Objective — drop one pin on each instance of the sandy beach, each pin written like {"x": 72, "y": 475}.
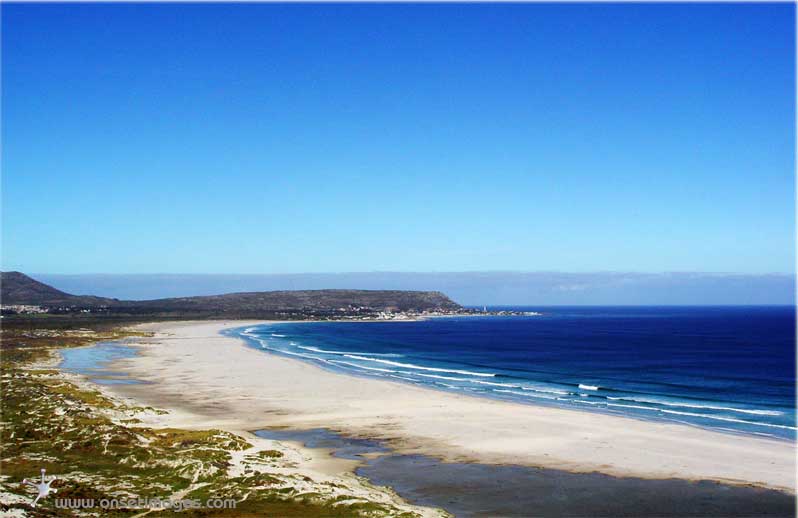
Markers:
{"x": 209, "y": 380}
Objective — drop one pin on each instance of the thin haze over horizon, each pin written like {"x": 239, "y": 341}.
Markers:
{"x": 468, "y": 288}
{"x": 397, "y": 137}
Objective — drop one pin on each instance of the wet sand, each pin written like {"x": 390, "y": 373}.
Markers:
{"x": 475, "y": 490}
{"x": 212, "y": 380}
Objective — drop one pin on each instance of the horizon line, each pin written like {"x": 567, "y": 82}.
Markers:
{"x": 433, "y": 272}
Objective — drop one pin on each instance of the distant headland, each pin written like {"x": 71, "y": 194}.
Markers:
{"x": 23, "y": 295}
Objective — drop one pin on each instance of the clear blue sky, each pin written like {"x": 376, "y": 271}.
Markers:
{"x": 323, "y": 138}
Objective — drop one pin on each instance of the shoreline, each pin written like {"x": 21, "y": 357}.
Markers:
{"x": 250, "y": 390}
{"x": 492, "y": 397}
{"x": 309, "y": 470}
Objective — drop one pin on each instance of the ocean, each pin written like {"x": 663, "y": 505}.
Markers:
{"x": 731, "y": 369}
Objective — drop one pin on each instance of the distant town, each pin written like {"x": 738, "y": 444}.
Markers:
{"x": 24, "y": 296}
{"x": 342, "y": 313}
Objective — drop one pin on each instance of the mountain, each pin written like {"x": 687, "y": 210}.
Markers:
{"x": 17, "y": 288}
{"x": 323, "y": 300}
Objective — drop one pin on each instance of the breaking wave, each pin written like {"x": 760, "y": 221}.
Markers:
{"x": 419, "y": 367}
{"x": 696, "y": 405}
{"x": 344, "y": 353}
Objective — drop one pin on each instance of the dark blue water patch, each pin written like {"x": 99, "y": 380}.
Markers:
{"x": 731, "y": 369}
{"x": 341, "y": 446}
{"x": 93, "y": 361}
{"x": 472, "y": 489}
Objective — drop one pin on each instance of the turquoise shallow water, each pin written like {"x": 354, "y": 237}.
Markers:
{"x": 94, "y": 362}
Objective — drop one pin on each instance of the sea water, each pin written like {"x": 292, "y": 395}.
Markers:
{"x": 727, "y": 368}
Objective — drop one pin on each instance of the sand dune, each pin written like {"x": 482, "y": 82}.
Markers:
{"x": 214, "y": 380}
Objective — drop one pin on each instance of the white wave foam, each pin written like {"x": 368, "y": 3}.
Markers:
{"x": 419, "y": 367}
{"x": 640, "y": 407}
{"x": 580, "y": 401}
{"x": 436, "y": 376}
{"x": 525, "y": 394}
{"x": 360, "y": 366}
{"x": 494, "y": 384}
{"x": 265, "y": 345}
{"x": 588, "y": 387}
{"x": 705, "y": 416}
{"x": 278, "y": 336}
{"x": 344, "y": 353}
{"x": 402, "y": 377}
{"x": 654, "y": 401}
{"x": 546, "y": 390}
{"x": 729, "y": 419}
{"x": 308, "y": 356}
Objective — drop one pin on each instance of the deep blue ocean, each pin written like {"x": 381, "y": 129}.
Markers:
{"x": 727, "y": 368}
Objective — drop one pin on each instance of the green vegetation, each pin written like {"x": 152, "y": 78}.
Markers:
{"x": 23, "y": 294}
{"x": 100, "y": 451}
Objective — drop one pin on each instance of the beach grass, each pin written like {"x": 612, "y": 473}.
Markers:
{"x": 99, "y": 450}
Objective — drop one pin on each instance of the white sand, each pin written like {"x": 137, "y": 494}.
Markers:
{"x": 218, "y": 381}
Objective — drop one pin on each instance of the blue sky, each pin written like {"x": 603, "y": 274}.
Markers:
{"x": 325, "y": 138}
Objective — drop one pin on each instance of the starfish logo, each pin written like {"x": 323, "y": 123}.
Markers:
{"x": 42, "y": 487}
